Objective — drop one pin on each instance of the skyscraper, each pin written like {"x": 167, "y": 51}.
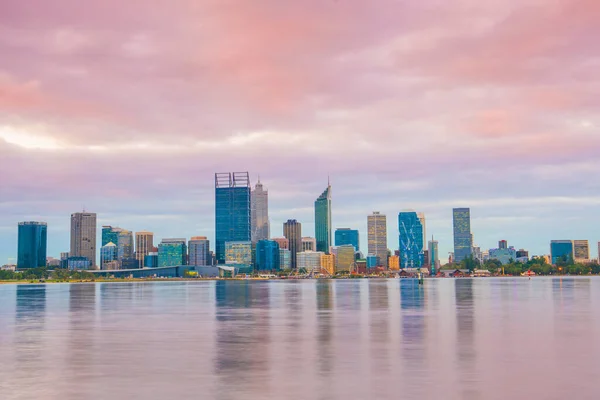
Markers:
{"x": 172, "y": 252}
{"x": 377, "y": 237}
{"x": 292, "y": 230}
{"x": 422, "y": 219}
{"x": 267, "y": 256}
{"x": 232, "y": 210}
{"x": 259, "y": 199}
{"x": 323, "y": 220}
{"x": 32, "y": 242}
{"x": 110, "y": 234}
{"x": 434, "y": 256}
{"x": 199, "y": 251}
{"x": 463, "y": 240}
{"x": 83, "y": 236}
{"x": 561, "y": 251}
{"x": 125, "y": 245}
{"x": 410, "y": 240}
{"x": 345, "y": 236}
{"x": 144, "y": 244}
{"x": 581, "y": 251}
{"x": 108, "y": 256}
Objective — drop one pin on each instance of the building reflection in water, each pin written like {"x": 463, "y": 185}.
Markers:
{"x": 412, "y": 302}
{"x": 379, "y": 333}
{"x": 242, "y": 337}
{"x": 465, "y": 337}
{"x": 325, "y": 354}
{"x": 29, "y": 325}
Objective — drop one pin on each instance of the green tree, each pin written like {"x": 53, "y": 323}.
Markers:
{"x": 469, "y": 263}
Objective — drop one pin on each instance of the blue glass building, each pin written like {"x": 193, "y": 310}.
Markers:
{"x": 561, "y": 250}
{"x": 172, "y": 252}
{"x": 267, "y": 256}
{"x": 323, "y": 220}
{"x": 232, "y": 210}
{"x": 344, "y": 236}
{"x": 32, "y": 243}
{"x": 463, "y": 240}
{"x": 110, "y": 234}
{"x": 371, "y": 261}
{"x": 410, "y": 240}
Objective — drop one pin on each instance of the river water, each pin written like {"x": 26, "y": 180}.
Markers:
{"x": 487, "y": 338}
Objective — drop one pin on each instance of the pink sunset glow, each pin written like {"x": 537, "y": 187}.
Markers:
{"x": 128, "y": 108}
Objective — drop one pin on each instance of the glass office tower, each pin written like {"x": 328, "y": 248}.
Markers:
{"x": 410, "y": 240}
{"x": 345, "y": 236}
{"x": 267, "y": 256}
{"x": 32, "y": 242}
{"x": 232, "y": 210}
{"x": 323, "y": 220}
{"x": 463, "y": 240}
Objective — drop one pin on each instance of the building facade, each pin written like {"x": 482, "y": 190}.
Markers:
{"x": 310, "y": 260}
{"x": 109, "y": 256}
{"x": 172, "y": 252}
{"x": 394, "y": 263}
{"x": 410, "y": 240}
{"x": 434, "y": 256}
{"x": 232, "y": 210}
{"x": 144, "y": 244}
{"x": 32, "y": 244}
{"x": 239, "y": 253}
{"x": 328, "y": 263}
{"x": 581, "y": 251}
{"x": 285, "y": 259}
{"x": 125, "y": 245}
{"x": 309, "y": 244}
{"x": 344, "y": 258}
{"x": 323, "y": 230}
{"x": 377, "y": 237}
{"x": 561, "y": 251}
{"x": 505, "y": 255}
{"x": 282, "y": 242}
{"x": 110, "y": 234}
{"x": 83, "y": 236}
{"x": 199, "y": 251}
{"x": 267, "y": 256}
{"x": 292, "y": 230}
{"x": 344, "y": 236}
{"x": 463, "y": 239}
{"x": 259, "y": 213}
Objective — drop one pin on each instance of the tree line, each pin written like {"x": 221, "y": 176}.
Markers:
{"x": 538, "y": 265}
{"x": 43, "y": 273}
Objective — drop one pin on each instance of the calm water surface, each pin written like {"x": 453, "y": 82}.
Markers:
{"x": 344, "y": 339}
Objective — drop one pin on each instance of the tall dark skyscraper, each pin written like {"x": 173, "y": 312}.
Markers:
{"x": 411, "y": 239}
{"x": 292, "y": 230}
{"x": 83, "y": 236}
{"x": 32, "y": 244}
{"x": 232, "y": 210}
{"x": 463, "y": 240}
{"x": 323, "y": 220}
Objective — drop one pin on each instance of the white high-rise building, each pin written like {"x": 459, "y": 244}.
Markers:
{"x": 377, "y": 237}
{"x": 83, "y": 236}
{"x": 581, "y": 250}
{"x": 259, "y": 213}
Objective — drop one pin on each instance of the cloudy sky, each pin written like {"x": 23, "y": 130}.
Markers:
{"x": 128, "y": 108}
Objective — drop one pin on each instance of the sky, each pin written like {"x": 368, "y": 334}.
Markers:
{"x": 127, "y": 109}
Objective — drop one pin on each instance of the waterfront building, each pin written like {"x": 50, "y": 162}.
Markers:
{"x": 410, "y": 240}
{"x": 259, "y": 213}
{"x": 172, "y": 252}
{"x": 522, "y": 253}
{"x": 434, "y": 256}
{"x": 78, "y": 263}
{"x": 267, "y": 256}
{"x": 463, "y": 239}
{"x": 109, "y": 256}
{"x": 282, "y": 242}
{"x": 328, "y": 263}
{"x": 309, "y": 244}
{"x": 561, "y": 251}
{"x": 110, "y": 234}
{"x": 239, "y": 253}
{"x": 144, "y": 243}
{"x": 344, "y": 258}
{"x": 372, "y": 261}
{"x": 377, "y": 237}
{"x": 323, "y": 220}
{"x": 292, "y": 230}
{"x": 125, "y": 245}
{"x": 151, "y": 260}
{"x": 285, "y": 259}
{"x": 581, "y": 251}
{"x": 310, "y": 260}
{"x": 503, "y": 253}
{"x": 32, "y": 244}
{"x": 345, "y": 236}
{"x": 83, "y": 236}
{"x": 198, "y": 251}
{"x": 394, "y": 263}
{"x": 232, "y": 210}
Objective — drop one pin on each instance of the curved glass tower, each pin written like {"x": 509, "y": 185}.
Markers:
{"x": 323, "y": 220}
